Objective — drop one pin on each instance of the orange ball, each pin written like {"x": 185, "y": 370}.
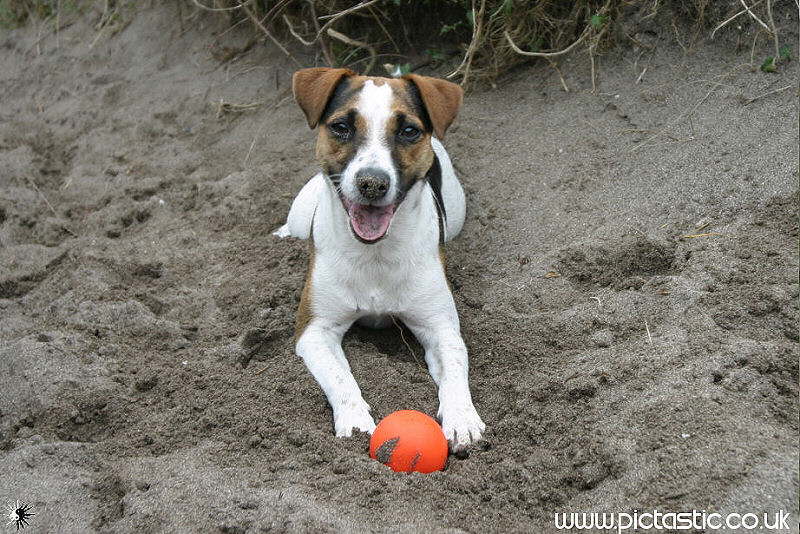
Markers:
{"x": 408, "y": 440}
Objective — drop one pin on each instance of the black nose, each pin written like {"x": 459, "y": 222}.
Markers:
{"x": 372, "y": 183}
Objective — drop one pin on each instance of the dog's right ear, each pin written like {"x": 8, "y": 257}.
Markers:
{"x": 313, "y": 88}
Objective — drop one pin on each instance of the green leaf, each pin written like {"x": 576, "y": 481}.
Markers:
{"x": 769, "y": 65}
{"x": 508, "y": 6}
{"x": 598, "y": 21}
{"x": 471, "y": 17}
{"x": 786, "y": 53}
{"x": 405, "y": 68}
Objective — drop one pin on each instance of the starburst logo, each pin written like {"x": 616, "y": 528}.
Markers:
{"x": 18, "y": 514}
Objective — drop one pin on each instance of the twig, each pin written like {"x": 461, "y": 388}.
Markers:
{"x": 403, "y": 337}
{"x": 104, "y": 23}
{"x": 272, "y": 13}
{"x": 639, "y": 79}
{"x": 336, "y": 16}
{"x": 234, "y": 8}
{"x": 560, "y": 76}
{"x": 49, "y": 206}
{"x": 385, "y": 31}
{"x": 649, "y": 337}
{"x": 253, "y": 144}
{"x": 726, "y": 22}
{"x": 323, "y": 44}
{"x": 227, "y": 107}
{"x": 774, "y": 31}
{"x": 477, "y": 28}
{"x": 297, "y": 35}
{"x": 751, "y": 100}
{"x": 750, "y": 12}
{"x": 591, "y": 57}
{"x": 518, "y": 50}
{"x": 678, "y": 37}
{"x": 266, "y": 32}
{"x": 352, "y": 42}
{"x": 753, "y": 49}
{"x": 695, "y": 236}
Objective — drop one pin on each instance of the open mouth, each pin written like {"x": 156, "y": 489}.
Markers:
{"x": 369, "y": 223}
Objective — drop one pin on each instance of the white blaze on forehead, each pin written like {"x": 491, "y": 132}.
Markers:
{"x": 375, "y": 108}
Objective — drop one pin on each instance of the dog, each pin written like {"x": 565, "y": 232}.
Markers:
{"x": 385, "y": 202}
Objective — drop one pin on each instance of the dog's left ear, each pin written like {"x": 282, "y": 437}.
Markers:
{"x": 313, "y": 88}
{"x": 442, "y": 99}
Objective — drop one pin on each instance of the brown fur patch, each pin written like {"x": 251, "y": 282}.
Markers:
{"x": 304, "y": 310}
{"x": 312, "y": 88}
{"x": 413, "y": 159}
{"x": 442, "y": 100}
{"x": 333, "y": 154}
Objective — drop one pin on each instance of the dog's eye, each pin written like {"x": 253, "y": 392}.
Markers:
{"x": 341, "y": 129}
{"x": 409, "y": 134}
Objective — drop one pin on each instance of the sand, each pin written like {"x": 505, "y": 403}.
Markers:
{"x": 627, "y": 281}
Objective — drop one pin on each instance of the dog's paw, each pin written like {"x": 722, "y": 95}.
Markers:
{"x": 282, "y": 232}
{"x": 355, "y": 417}
{"x": 462, "y": 425}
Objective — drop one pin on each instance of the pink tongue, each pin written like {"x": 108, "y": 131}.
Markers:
{"x": 370, "y": 222}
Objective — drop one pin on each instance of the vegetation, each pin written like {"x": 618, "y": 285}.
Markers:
{"x": 472, "y": 39}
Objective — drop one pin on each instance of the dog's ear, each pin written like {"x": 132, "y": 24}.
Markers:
{"x": 313, "y": 88}
{"x": 441, "y": 98}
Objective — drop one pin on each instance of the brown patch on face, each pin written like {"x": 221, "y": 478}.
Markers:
{"x": 412, "y": 159}
{"x": 332, "y": 152}
{"x": 304, "y": 311}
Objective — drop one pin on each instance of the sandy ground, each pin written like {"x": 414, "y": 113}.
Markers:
{"x": 146, "y": 312}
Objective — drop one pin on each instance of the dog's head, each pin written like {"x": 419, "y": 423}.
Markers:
{"x": 374, "y": 139}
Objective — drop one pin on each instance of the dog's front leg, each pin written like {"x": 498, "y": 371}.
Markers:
{"x": 446, "y": 356}
{"x": 320, "y": 346}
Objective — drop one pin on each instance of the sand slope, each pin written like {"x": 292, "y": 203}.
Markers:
{"x": 146, "y": 312}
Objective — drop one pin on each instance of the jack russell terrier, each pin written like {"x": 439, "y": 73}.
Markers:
{"x": 379, "y": 212}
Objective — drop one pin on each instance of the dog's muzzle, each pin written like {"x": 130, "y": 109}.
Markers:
{"x": 370, "y": 215}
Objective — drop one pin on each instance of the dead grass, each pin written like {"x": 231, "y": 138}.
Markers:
{"x": 481, "y": 39}
{"x": 470, "y": 40}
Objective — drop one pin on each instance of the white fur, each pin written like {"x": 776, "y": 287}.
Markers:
{"x": 298, "y": 223}
{"x": 452, "y": 192}
{"x": 401, "y": 275}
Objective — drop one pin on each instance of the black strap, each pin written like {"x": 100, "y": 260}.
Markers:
{"x": 434, "y": 178}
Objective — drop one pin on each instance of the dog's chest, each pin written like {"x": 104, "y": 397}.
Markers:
{"x": 368, "y": 286}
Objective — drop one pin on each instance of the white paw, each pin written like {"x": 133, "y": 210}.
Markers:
{"x": 282, "y": 232}
{"x": 353, "y": 416}
{"x": 462, "y": 425}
